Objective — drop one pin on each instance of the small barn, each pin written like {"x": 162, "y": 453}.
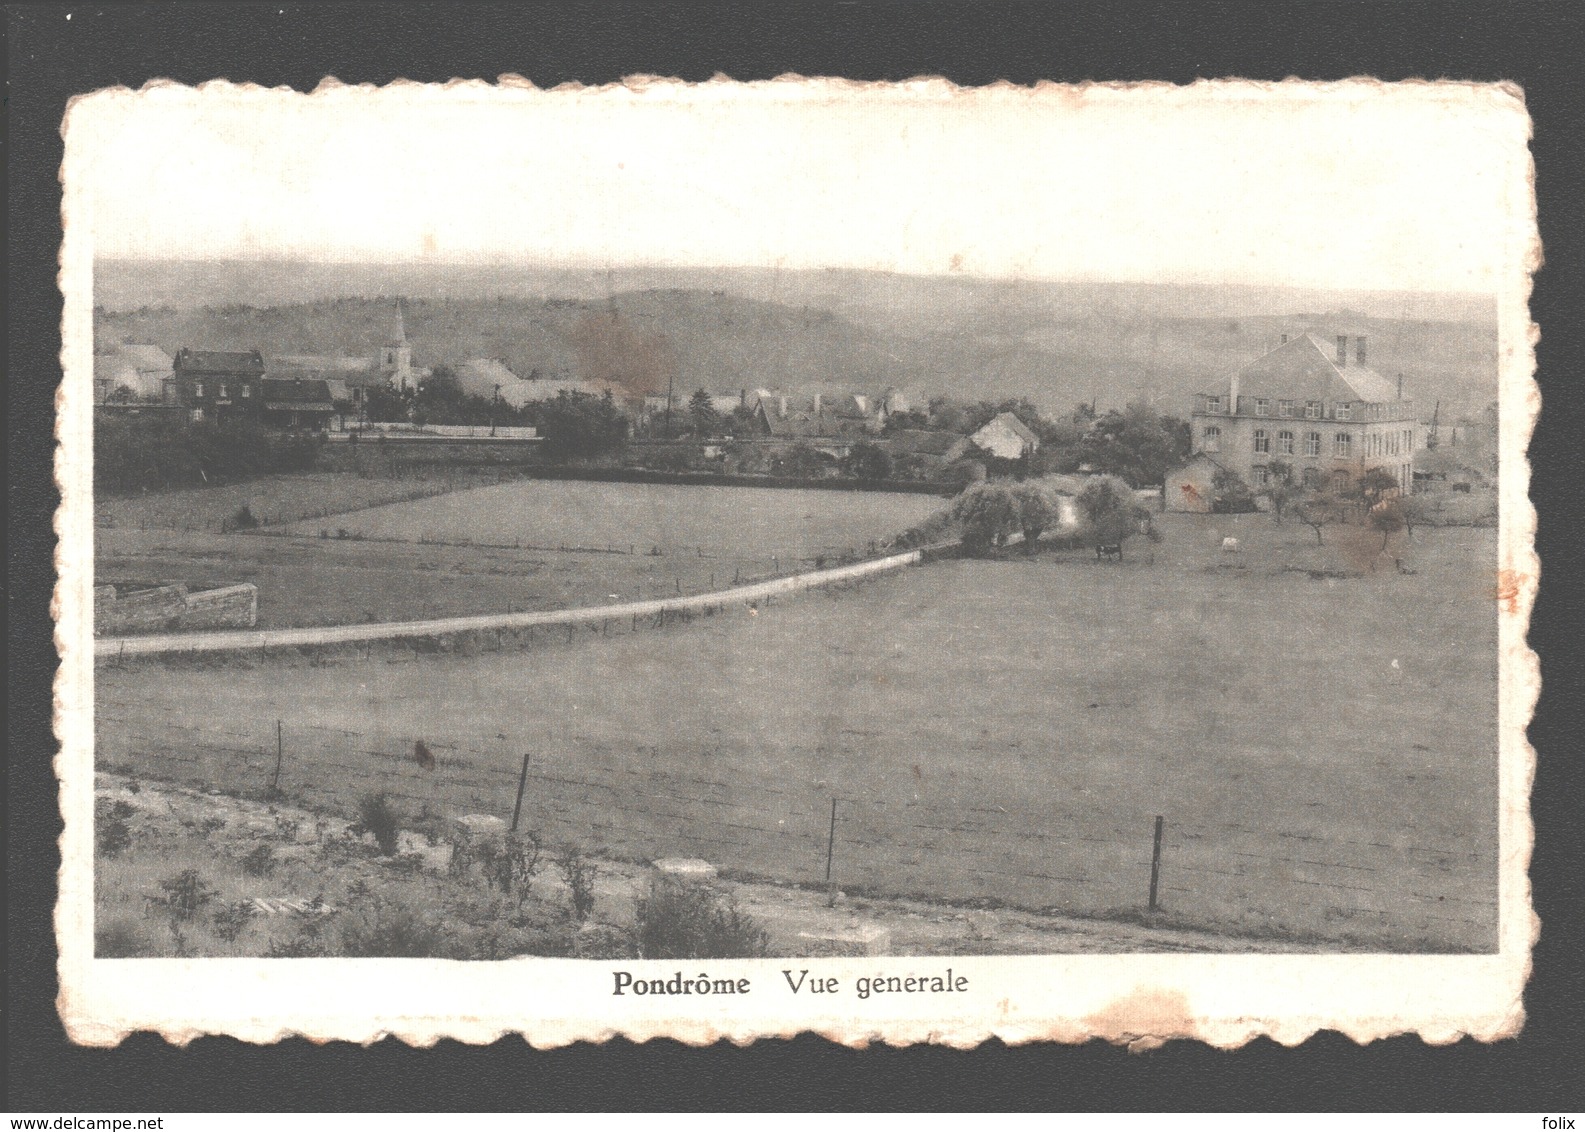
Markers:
{"x": 1006, "y": 437}
{"x": 1192, "y": 487}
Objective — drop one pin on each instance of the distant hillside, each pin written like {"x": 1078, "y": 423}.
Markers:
{"x": 1058, "y": 343}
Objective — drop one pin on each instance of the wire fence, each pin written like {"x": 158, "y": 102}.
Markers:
{"x": 1393, "y": 893}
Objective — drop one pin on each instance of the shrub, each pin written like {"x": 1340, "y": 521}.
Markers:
{"x": 376, "y": 816}
{"x": 688, "y": 921}
{"x": 229, "y": 920}
{"x": 391, "y": 930}
{"x": 580, "y": 882}
{"x": 112, "y": 834}
{"x": 260, "y": 861}
{"x": 987, "y": 513}
{"x": 186, "y": 894}
{"x": 244, "y": 519}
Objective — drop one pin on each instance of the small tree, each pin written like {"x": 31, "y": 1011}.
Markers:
{"x": 1280, "y": 487}
{"x": 1317, "y": 511}
{"x": 1109, "y": 511}
{"x": 1387, "y": 518}
{"x": 1233, "y": 496}
{"x": 706, "y": 421}
{"x": 1038, "y": 509}
{"x": 986, "y": 513}
{"x": 867, "y": 461}
{"x": 1375, "y": 485}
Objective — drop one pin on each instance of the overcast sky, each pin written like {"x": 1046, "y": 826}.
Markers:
{"x": 1423, "y": 190}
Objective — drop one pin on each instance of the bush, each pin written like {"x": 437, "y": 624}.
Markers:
{"x": 112, "y": 834}
{"x": 229, "y": 920}
{"x": 580, "y": 882}
{"x": 986, "y": 513}
{"x": 393, "y": 931}
{"x": 376, "y": 816}
{"x": 259, "y": 862}
{"x": 244, "y": 519}
{"x": 690, "y": 921}
{"x": 186, "y": 894}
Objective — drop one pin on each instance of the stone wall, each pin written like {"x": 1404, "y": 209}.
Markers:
{"x": 163, "y": 608}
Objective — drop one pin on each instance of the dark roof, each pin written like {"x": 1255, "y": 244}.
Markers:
{"x": 296, "y": 394}
{"x": 1305, "y": 367}
{"x": 925, "y": 442}
{"x": 230, "y": 363}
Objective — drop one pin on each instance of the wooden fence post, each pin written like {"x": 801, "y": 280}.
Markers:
{"x": 522, "y": 780}
{"x": 275, "y": 783}
{"x": 1155, "y": 863}
{"x": 831, "y": 845}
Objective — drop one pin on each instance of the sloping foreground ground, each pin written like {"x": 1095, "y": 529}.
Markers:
{"x": 996, "y": 731}
{"x": 273, "y": 860}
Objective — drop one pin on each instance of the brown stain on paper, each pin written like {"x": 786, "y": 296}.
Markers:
{"x": 1144, "y": 1019}
{"x": 1510, "y": 585}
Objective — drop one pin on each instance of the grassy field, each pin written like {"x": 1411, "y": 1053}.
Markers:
{"x": 673, "y": 518}
{"x": 707, "y": 538}
{"x": 1322, "y": 747}
{"x": 272, "y": 499}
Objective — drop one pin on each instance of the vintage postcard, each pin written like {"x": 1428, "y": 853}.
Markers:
{"x": 901, "y": 562}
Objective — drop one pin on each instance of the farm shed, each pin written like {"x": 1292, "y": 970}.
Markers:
{"x": 1192, "y": 487}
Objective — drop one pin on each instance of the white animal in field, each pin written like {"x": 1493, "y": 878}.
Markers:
{"x": 1229, "y": 546}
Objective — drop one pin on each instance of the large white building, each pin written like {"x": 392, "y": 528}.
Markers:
{"x": 1312, "y": 403}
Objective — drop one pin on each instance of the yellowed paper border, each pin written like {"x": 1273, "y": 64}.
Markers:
{"x": 1225, "y": 1000}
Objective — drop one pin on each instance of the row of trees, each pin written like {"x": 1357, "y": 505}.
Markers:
{"x": 160, "y": 450}
{"x": 575, "y": 426}
{"x": 1105, "y": 514}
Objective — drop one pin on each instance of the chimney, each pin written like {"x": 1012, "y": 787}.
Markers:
{"x": 781, "y": 405}
{"x": 1232, "y": 398}
{"x": 1400, "y": 382}
{"x": 1359, "y": 350}
{"x": 1342, "y": 350}
{"x": 817, "y": 404}
{"x": 1284, "y": 339}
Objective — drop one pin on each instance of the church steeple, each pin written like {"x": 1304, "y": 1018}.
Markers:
{"x": 396, "y": 358}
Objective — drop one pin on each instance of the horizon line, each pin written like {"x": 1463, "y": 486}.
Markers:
{"x": 641, "y": 265}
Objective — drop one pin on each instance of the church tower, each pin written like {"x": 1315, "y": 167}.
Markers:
{"x": 396, "y": 358}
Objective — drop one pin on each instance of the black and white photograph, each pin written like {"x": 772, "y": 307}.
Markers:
{"x": 719, "y": 551}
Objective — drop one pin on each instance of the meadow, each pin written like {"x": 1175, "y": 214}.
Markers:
{"x": 1319, "y": 738}
{"x": 577, "y": 543}
{"x": 672, "y": 518}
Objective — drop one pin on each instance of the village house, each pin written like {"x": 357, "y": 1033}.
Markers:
{"x": 1312, "y": 404}
{"x": 1006, "y": 437}
{"x": 217, "y": 385}
{"x": 296, "y": 405}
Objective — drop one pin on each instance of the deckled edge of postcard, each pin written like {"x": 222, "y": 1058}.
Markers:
{"x": 1142, "y": 1000}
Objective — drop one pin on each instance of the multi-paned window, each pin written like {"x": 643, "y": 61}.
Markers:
{"x": 198, "y": 389}
{"x": 1342, "y": 411}
{"x": 1342, "y": 444}
{"x": 1284, "y": 407}
{"x": 1312, "y": 410}
{"x": 1262, "y": 440}
{"x": 1312, "y": 444}
{"x": 1261, "y": 475}
{"x": 1285, "y": 443}
{"x": 1262, "y": 407}
{"x": 224, "y": 392}
{"x": 1211, "y": 439}
{"x": 1213, "y": 404}
{"x": 246, "y": 391}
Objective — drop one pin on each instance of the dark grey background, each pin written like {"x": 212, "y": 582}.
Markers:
{"x": 50, "y": 57}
